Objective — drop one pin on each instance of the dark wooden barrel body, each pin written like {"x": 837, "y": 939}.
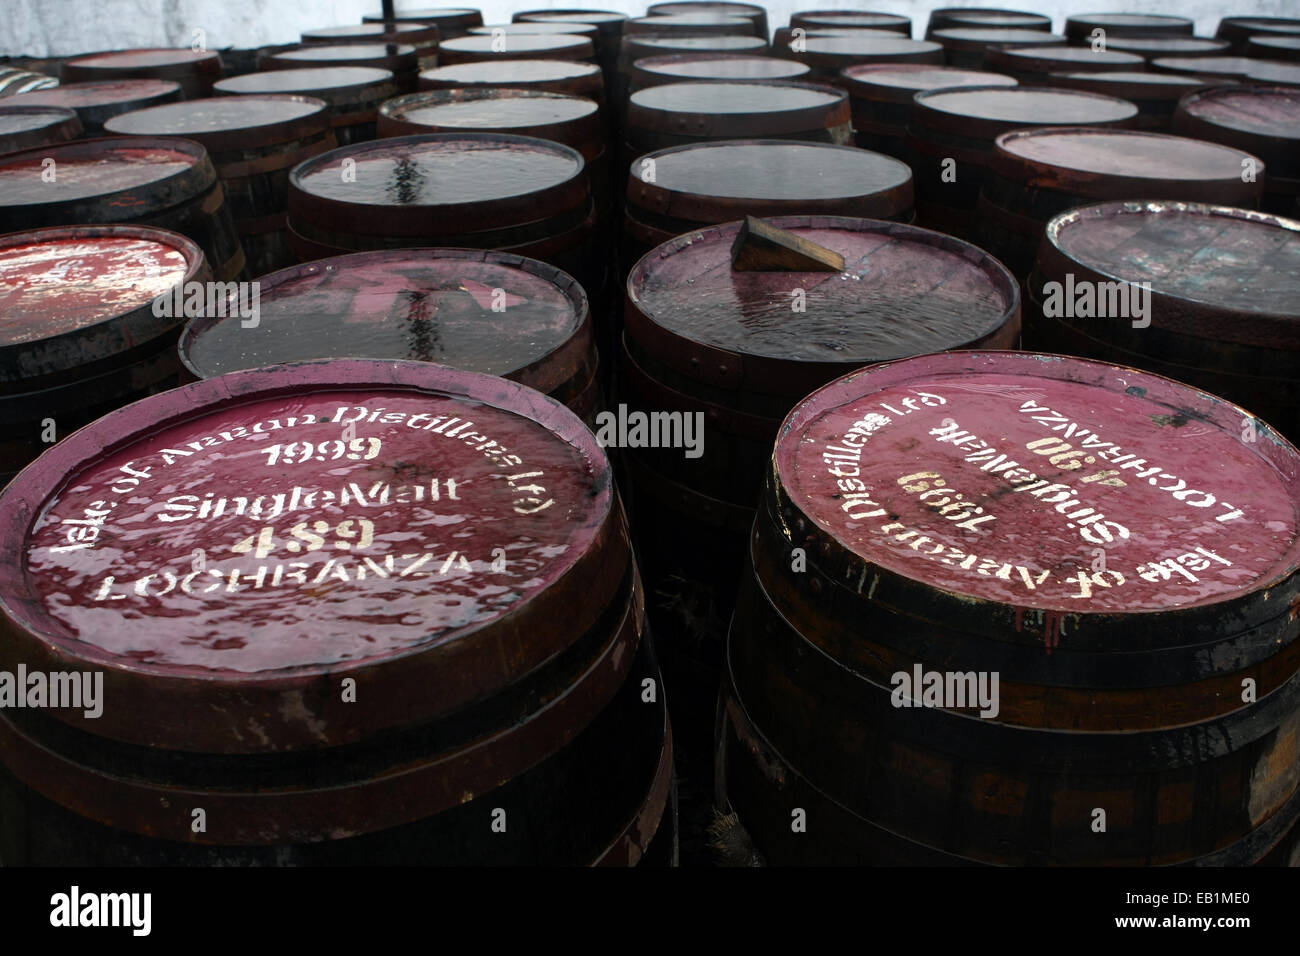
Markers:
{"x": 828, "y": 55}
{"x": 739, "y": 349}
{"x": 253, "y": 141}
{"x": 502, "y": 714}
{"x": 1222, "y": 302}
{"x": 950, "y": 135}
{"x": 479, "y": 190}
{"x": 1119, "y": 731}
{"x": 1262, "y": 120}
{"x": 400, "y": 59}
{"x": 82, "y": 337}
{"x": 451, "y": 22}
{"x": 96, "y": 102}
{"x": 1036, "y": 174}
{"x": 966, "y": 47}
{"x": 851, "y": 19}
{"x": 1032, "y": 66}
{"x": 1237, "y": 30}
{"x": 523, "y": 46}
{"x": 352, "y": 94}
{"x": 751, "y": 11}
{"x": 26, "y": 127}
{"x": 1152, "y": 48}
{"x": 881, "y": 98}
{"x": 481, "y": 311}
{"x": 423, "y": 36}
{"x": 164, "y": 181}
{"x": 1155, "y": 95}
{"x": 194, "y": 70}
{"x": 1080, "y": 27}
{"x": 712, "y": 68}
{"x": 943, "y": 18}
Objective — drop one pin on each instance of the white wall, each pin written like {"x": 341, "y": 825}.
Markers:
{"x": 64, "y": 27}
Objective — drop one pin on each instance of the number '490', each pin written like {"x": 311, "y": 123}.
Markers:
{"x": 300, "y": 452}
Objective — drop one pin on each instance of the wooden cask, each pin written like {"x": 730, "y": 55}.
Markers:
{"x": 712, "y": 67}
{"x": 1155, "y": 95}
{"x": 828, "y": 55}
{"x": 27, "y": 127}
{"x": 1082, "y": 26}
{"x": 552, "y": 76}
{"x": 996, "y": 598}
{"x": 1273, "y": 48}
{"x": 423, "y": 36}
{"x": 451, "y": 22}
{"x": 942, "y": 18}
{"x": 194, "y": 70}
{"x": 1227, "y": 69}
{"x": 750, "y": 11}
{"x": 400, "y": 59}
{"x": 966, "y": 47}
{"x": 351, "y": 94}
{"x": 852, "y": 19}
{"x": 526, "y": 46}
{"x": 94, "y": 102}
{"x": 1032, "y": 65}
{"x": 1237, "y": 30}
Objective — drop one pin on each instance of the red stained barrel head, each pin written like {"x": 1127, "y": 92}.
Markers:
{"x": 84, "y": 170}
{"x": 1010, "y": 477}
{"x": 97, "y": 93}
{"x": 1272, "y": 112}
{"x": 121, "y": 61}
{"x": 224, "y": 122}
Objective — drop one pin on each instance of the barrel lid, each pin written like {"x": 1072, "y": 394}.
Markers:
{"x": 984, "y": 38}
{"x": 151, "y": 58}
{"x": 1118, "y": 163}
{"x": 533, "y": 28}
{"x": 714, "y": 66}
{"x": 723, "y": 43}
{"x": 696, "y": 23}
{"x": 1287, "y": 74}
{"x": 397, "y": 57}
{"x": 438, "y": 184}
{"x": 986, "y": 110}
{"x": 559, "y": 46}
{"x": 224, "y": 123}
{"x": 97, "y": 168}
{"x": 724, "y": 180}
{"x": 307, "y": 80}
{"x": 1215, "y": 272}
{"x": 1130, "y": 86}
{"x": 1270, "y": 47}
{"x": 725, "y": 110}
{"x": 1242, "y": 27}
{"x": 558, "y": 116}
{"x": 863, "y": 19}
{"x": 70, "y": 295}
{"x": 442, "y": 16}
{"x": 992, "y": 18}
{"x": 490, "y": 312}
{"x": 25, "y": 126}
{"x": 840, "y": 51}
{"x": 1260, "y": 112}
{"x": 897, "y": 82}
{"x": 97, "y": 93}
{"x": 1127, "y": 24}
{"x": 1167, "y": 46}
{"x": 1235, "y": 67}
{"x": 707, "y": 6}
{"x": 572, "y": 16}
{"x": 560, "y": 75}
{"x": 903, "y": 291}
{"x": 413, "y": 33}
{"x": 1049, "y": 58}
{"x": 426, "y": 531}
{"x": 1153, "y": 476}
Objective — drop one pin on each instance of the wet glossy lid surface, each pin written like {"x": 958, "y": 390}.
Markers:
{"x": 1028, "y": 105}
{"x": 922, "y": 76}
{"x": 136, "y": 59}
{"x": 309, "y": 528}
{"x": 703, "y": 66}
{"x": 723, "y": 43}
{"x": 1286, "y": 73}
{"x": 575, "y": 16}
{"x": 1267, "y": 112}
{"x": 27, "y": 119}
{"x": 850, "y": 46}
{"x": 489, "y": 109}
{"x": 508, "y": 72}
{"x": 303, "y": 81}
{"x": 348, "y": 51}
{"x": 1133, "y": 21}
{"x": 464, "y": 312}
{"x": 95, "y": 93}
{"x": 442, "y": 170}
{"x": 991, "y": 36}
{"x": 84, "y": 171}
{"x": 216, "y": 114}
{"x": 1166, "y": 46}
{"x": 1068, "y": 56}
{"x": 902, "y": 292}
{"x": 1129, "y": 153}
{"x": 1215, "y": 65}
{"x": 64, "y": 281}
{"x": 940, "y": 469}
{"x": 1122, "y": 78}
{"x": 865, "y": 20}
{"x": 533, "y": 28}
{"x": 734, "y": 98}
{"x": 560, "y": 43}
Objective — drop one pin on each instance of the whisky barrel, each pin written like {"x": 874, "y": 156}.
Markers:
{"x": 932, "y": 525}
{"x": 1227, "y": 69}
{"x": 553, "y": 76}
{"x": 400, "y": 59}
{"x": 423, "y": 36}
{"x": 609, "y": 29}
{"x": 1273, "y": 48}
{"x": 739, "y": 349}
{"x": 827, "y": 56}
{"x": 526, "y": 46}
{"x": 1155, "y": 95}
{"x": 25, "y": 127}
{"x": 942, "y": 18}
{"x": 253, "y": 141}
{"x": 81, "y": 336}
{"x": 394, "y": 692}
{"x": 750, "y": 11}
{"x": 164, "y": 182}
{"x": 635, "y": 48}
{"x": 194, "y": 70}
{"x": 966, "y": 47}
{"x": 1081, "y": 26}
{"x": 95, "y": 102}
{"x": 1032, "y": 65}
{"x": 881, "y": 97}
{"x": 1275, "y": 74}
{"x": 1262, "y": 120}
{"x": 491, "y": 312}
{"x": 1221, "y": 308}
{"x": 479, "y": 190}
{"x": 684, "y": 188}
{"x": 851, "y": 19}
{"x": 1036, "y": 173}
{"x": 451, "y": 22}
{"x": 1237, "y": 30}
{"x": 351, "y": 94}
{"x": 532, "y": 28}
{"x": 690, "y": 25}
{"x": 1152, "y": 48}
{"x": 712, "y": 67}
{"x": 950, "y": 134}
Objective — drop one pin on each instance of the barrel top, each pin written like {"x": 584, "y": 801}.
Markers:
{"x": 488, "y": 108}
{"x": 363, "y": 30}
{"x": 1267, "y": 111}
{"x": 1289, "y": 44}
{"x": 903, "y": 291}
{"x": 1233, "y": 259}
{"x": 325, "y": 52}
{"x": 1153, "y": 473}
{"x": 306, "y": 80}
{"x": 862, "y": 44}
{"x": 226, "y": 122}
{"x": 1132, "y": 85}
{"x": 1027, "y": 105}
{"x": 1166, "y": 46}
{"x": 1005, "y": 19}
{"x": 907, "y": 78}
{"x": 138, "y": 59}
{"x": 1245, "y": 26}
{"x": 95, "y": 93}
{"x": 393, "y": 489}
{"x": 1210, "y": 65}
{"x": 425, "y": 305}
{"x": 668, "y": 22}
{"x": 1285, "y": 73}
{"x": 573, "y": 16}
{"x": 22, "y": 119}
{"x": 507, "y": 72}
{"x": 993, "y": 36}
{"x": 445, "y": 169}
{"x": 1135, "y": 154}
{"x": 534, "y": 28}
{"x": 722, "y": 66}
{"x": 751, "y": 98}
{"x": 722, "y": 43}
{"x": 1137, "y": 21}
{"x": 1066, "y": 56}
{"x": 560, "y": 44}
{"x": 54, "y": 281}
{"x": 850, "y": 18}
{"x": 93, "y": 168}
